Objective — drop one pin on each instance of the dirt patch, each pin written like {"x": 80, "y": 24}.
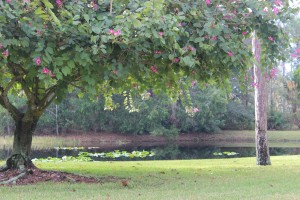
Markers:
{"x": 34, "y": 176}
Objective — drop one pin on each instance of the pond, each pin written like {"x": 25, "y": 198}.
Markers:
{"x": 161, "y": 152}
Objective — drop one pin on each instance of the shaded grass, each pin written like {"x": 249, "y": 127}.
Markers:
{"x": 236, "y": 178}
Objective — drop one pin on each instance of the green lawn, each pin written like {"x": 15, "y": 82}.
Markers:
{"x": 237, "y": 178}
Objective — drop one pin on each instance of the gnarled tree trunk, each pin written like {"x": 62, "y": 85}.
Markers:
{"x": 20, "y": 157}
{"x": 262, "y": 148}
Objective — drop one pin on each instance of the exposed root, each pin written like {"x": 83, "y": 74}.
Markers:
{"x": 4, "y": 168}
{"x": 13, "y": 180}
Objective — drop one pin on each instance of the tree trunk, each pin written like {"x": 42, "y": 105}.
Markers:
{"x": 262, "y": 148}
{"x": 20, "y": 157}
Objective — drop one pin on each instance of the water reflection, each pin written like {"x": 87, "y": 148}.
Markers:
{"x": 162, "y": 152}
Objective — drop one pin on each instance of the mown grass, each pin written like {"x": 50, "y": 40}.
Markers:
{"x": 236, "y": 178}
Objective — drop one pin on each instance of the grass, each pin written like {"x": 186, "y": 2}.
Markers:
{"x": 236, "y": 178}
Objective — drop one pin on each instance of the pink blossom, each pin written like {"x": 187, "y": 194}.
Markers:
{"x": 195, "y": 110}
{"x": 228, "y": 17}
{"x": 52, "y": 75}
{"x": 180, "y": 24}
{"x": 46, "y": 71}
{"x": 59, "y": 3}
{"x": 208, "y": 2}
{"x": 194, "y": 83}
{"x": 294, "y": 55}
{"x": 278, "y": 2}
{"x": 117, "y": 33}
{"x": 154, "y": 69}
{"x": 191, "y": 48}
{"x": 161, "y": 34}
{"x": 111, "y": 31}
{"x": 276, "y": 10}
{"x": 244, "y": 33}
{"x": 8, "y": 1}
{"x": 271, "y": 38}
{"x": 157, "y": 52}
{"x": 5, "y": 53}
{"x": 175, "y": 60}
{"x": 254, "y": 84}
{"x": 273, "y": 72}
{"x": 115, "y": 72}
{"x": 27, "y": 1}
{"x": 214, "y": 38}
{"x": 206, "y": 84}
{"x": 38, "y": 32}
{"x": 230, "y": 54}
{"x": 266, "y": 9}
{"x": 297, "y": 50}
{"x": 38, "y": 61}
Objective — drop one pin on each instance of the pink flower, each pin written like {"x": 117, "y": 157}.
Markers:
{"x": 194, "y": 83}
{"x": 214, "y": 38}
{"x": 191, "y": 48}
{"x": 59, "y": 3}
{"x": 154, "y": 69}
{"x": 208, "y": 2}
{"x": 8, "y": 1}
{"x": 46, "y": 71}
{"x": 273, "y": 72}
{"x": 5, "y": 53}
{"x": 278, "y": 2}
{"x": 115, "y": 72}
{"x": 230, "y": 54}
{"x": 254, "y": 84}
{"x": 271, "y": 38}
{"x": 111, "y": 31}
{"x": 266, "y": 9}
{"x": 195, "y": 110}
{"x": 161, "y": 34}
{"x": 117, "y": 33}
{"x": 38, "y": 61}
{"x": 157, "y": 52}
{"x": 206, "y": 84}
{"x": 180, "y": 24}
{"x": 294, "y": 55}
{"x": 276, "y": 10}
{"x": 175, "y": 60}
{"x": 244, "y": 33}
{"x": 52, "y": 75}
{"x": 38, "y": 32}
{"x": 297, "y": 50}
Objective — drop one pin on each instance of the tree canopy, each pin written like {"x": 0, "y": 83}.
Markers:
{"x": 49, "y": 47}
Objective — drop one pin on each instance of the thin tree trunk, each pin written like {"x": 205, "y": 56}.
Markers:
{"x": 262, "y": 148}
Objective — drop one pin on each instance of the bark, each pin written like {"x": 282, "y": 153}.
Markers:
{"x": 262, "y": 148}
{"x": 20, "y": 157}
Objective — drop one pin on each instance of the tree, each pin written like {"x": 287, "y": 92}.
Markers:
{"x": 51, "y": 47}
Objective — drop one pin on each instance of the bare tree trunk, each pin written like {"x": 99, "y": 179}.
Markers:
{"x": 56, "y": 120}
{"x": 262, "y": 148}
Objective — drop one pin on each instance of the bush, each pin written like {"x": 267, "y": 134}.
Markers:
{"x": 277, "y": 121}
{"x": 238, "y": 117}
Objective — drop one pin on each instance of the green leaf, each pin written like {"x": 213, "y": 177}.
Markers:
{"x": 66, "y": 70}
{"x": 136, "y": 23}
{"x": 96, "y": 29}
{"x": 48, "y": 4}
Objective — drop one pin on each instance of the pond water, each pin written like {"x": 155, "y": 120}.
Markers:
{"x": 162, "y": 152}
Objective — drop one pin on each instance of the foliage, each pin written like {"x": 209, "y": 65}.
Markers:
{"x": 277, "y": 121}
{"x": 238, "y": 117}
